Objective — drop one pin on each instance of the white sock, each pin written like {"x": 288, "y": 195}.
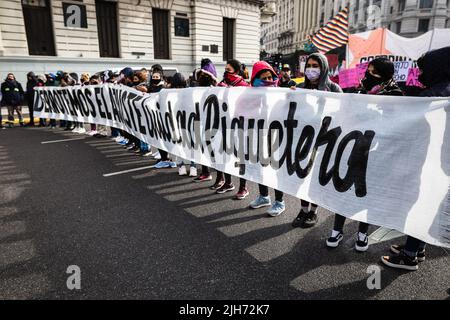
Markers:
{"x": 334, "y": 233}
{"x": 305, "y": 208}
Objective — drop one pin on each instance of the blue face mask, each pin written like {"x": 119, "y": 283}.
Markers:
{"x": 264, "y": 83}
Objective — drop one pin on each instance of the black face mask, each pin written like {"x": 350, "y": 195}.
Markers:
{"x": 155, "y": 82}
{"x": 204, "y": 81}
{"x": 370, "y": 81}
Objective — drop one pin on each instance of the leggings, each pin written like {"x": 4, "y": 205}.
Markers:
{"x": 339, "y": 224}
{"x": 264, "y": 191}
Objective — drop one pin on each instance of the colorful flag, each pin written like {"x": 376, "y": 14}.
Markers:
{"x": 334, "y": 34}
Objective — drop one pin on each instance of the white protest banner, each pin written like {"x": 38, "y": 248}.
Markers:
{"x": 379, "y": 159}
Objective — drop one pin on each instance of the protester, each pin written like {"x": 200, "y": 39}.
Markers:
{"x": 31, "y": 83}
{"x": 316, "y": 78}
{"x": 232, "y": 78}
{"x": 245, "y": 73}
{"x": 378, "y": 80}
{"x": 179, "y": 82}
{"x": 206, "y": 76}
{"x": 155, "y": 85}
{"x": 13, "y": 94}
{"x": 434, "y": 69}
{"x": 41, "y": 80}
{"x": 263, "y": 75}
{"x": 285, "y": 78}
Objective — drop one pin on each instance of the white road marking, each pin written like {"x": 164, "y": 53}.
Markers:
{"x": 63, "y": 140}
{"x": 126, "y": 171}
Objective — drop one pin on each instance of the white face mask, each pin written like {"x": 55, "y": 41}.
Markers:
{"x": 312, "y": 73}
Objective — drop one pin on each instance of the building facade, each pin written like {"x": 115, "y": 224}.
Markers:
{"x": 290, "y": 27}
{"x": 408, "y": 18}
{"x": 94, "y": 35}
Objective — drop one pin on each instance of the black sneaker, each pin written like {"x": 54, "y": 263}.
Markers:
{"x": 362, "y": 245}
{"x": 401, "y": 261}
{"x": 333, "y": 242}
{"x": 225, "y": 188}
{"x": 298, "y": 222}
{"x": 311, "y": 220}
{"x": 397, "y": 248}
{"x": 217, "y": 185}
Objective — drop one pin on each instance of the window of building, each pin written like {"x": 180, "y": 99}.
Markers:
{"x": 228, "y": 38}
{"x": 401, "y": 5}
{"x": 181, "y": 27}
{"x": 398, "y": 28}
{"x": 426, "y": 4}
{"x": 106, "y": 12}
{"x": 423, "y": 25}
{"x": 38, "y": 27}
{"x": 161, "y": 33}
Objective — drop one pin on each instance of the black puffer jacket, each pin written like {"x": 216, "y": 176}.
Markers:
{"x": 435, "y": 66}
{"x": 12, "y": 92}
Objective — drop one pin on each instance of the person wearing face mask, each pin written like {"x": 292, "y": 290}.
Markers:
{"x": 231, "y": 78}
{"x": 156, "y": 84}
{"x": 12, "y": 93}
{"x": 434, "y": 69}
{"x": 285, "y": 78}
{"x": 378, "y": 80}
{"x": 263, "y": 75}
{"x": 316, "y": 78}
{"x": 206, "y": 76}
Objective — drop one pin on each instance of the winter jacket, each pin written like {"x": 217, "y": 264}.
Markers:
{"x": 233, "y": 81}
{"x": 435, "y": 66}
{"x": 325, "y": 84}
{"x": 12, "y": 93}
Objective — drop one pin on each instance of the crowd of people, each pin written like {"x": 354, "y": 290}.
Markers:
{"x": 434, "y": 75}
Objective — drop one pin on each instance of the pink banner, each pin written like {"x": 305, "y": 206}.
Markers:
{"x": 413, "y": 78}
{"x": 349, "y": 78}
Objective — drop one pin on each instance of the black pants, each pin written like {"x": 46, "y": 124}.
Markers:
{"x": 30, "y": 110}
{"x": 227, "y": 177}
{"x": 339, "y": 224}
{"x": 414, "y": 245}
{"x": 164, "y": 155}
{"x": 306, "y": 204}
{"x": 264, "y": 191}
{"x": 205, "y": 171}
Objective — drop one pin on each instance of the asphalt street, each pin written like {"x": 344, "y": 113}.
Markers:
{"x": 153, "y": 235}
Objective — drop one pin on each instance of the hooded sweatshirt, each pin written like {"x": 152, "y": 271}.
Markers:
{"x": 258, "y": 68}
{"x": 325, "y": 84}
{"x": 435, "y": 66}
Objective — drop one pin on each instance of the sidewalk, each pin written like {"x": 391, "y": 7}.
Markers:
{"x": 25, "y": 114}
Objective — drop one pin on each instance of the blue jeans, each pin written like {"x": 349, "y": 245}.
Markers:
{"x": 115, "y": 132}
{"x": 413, "y": 246}
{"x": 143, "y": 146}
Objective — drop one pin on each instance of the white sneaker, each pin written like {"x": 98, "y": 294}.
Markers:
{"x": 157, "y": 156}
{"x": 75, "y": 130}
{"x": 193, "y": 171}
{"x": 92, "y": 133}
{"x": 182, "y": 171}
{"x": 81, "y": 130}
{"x": 119, "y": 138}
{"x": 147, "y": 154}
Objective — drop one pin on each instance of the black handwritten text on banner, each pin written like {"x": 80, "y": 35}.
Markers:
{"x": 382, "y": 160}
